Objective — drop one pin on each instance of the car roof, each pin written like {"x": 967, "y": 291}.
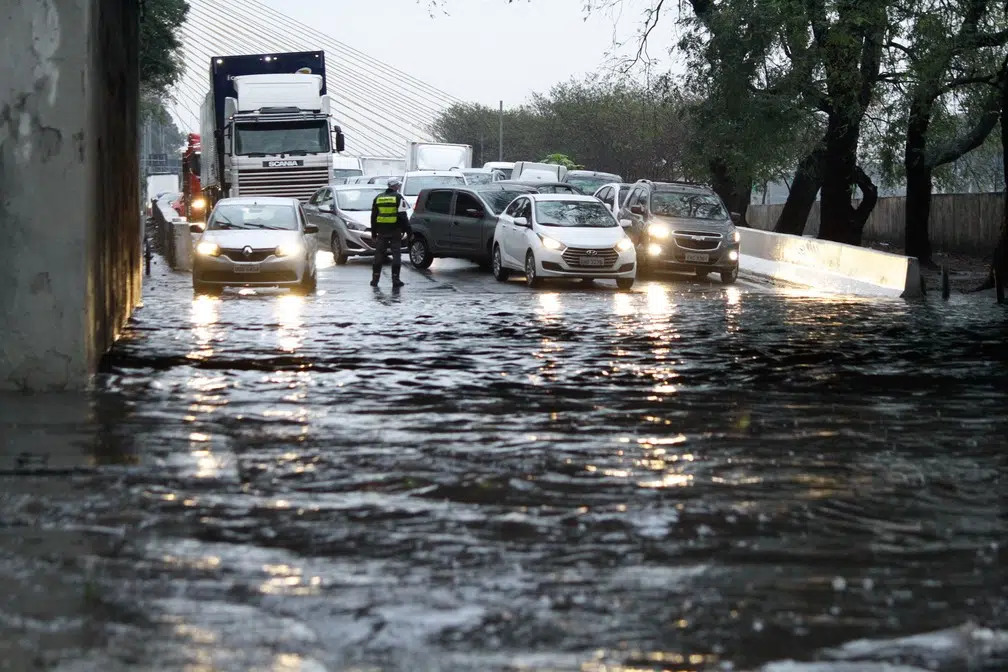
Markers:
{"x": 586, "y": 173}
{"x": 678, "y": 186}
{"x": 258, "y": 200}
{"x": 538, "y": 183}
{"x": 501, "y": 185}
{"x": 564, "y": 197}
{"x": 432, "y": 173}
{"x": 356, "y": 187}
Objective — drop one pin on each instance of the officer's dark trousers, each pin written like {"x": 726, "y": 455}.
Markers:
{"x": 385, "y": 244}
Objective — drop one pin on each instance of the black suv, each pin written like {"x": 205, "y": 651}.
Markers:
{"x": 681, "y": 227}
{"x": 459, "y": 221}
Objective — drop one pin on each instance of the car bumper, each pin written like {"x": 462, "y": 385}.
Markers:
{"x": 273, "y": 272}
{"x": 668, "y": 256}
{"x": 359, "y": 243}
{"x": 554, "y": 264}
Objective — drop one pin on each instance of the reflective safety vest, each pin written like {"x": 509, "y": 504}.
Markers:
{"x": 388, "y": 209}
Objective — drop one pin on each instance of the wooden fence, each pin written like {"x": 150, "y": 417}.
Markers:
{"x": 959, "y": 223}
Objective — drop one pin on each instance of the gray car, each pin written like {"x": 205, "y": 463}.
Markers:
{"x": 342, "y": 213}
{"x": 459, "y": 221}
{"x": 681, "y": 227}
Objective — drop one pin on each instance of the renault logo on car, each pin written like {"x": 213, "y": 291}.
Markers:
{"x": 247, "y": 251}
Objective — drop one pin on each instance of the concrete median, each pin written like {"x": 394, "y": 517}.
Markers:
{"x": 828, "y": 266}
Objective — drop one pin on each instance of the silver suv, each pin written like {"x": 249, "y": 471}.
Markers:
{"x": 681, "y": 227}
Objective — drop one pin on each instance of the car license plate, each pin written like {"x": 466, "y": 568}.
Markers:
{"x": 704, "y": 258}
{"x": 593, "y": 261}
{"x": 246, "y": 268}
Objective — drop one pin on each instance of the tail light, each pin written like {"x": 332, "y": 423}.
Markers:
{"x": 415, "y": 206}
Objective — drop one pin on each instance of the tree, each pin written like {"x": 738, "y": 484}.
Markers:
{"x": 161, "y": 62}
{"x": 562, "y": 160}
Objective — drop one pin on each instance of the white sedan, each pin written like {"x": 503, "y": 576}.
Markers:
{"x": 562, "y": 236}
{"x": 255, "y": 241}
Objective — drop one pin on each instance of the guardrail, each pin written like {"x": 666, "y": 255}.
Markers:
{"x": 831, "y": 267}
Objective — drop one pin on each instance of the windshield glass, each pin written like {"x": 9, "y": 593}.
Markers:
{"x": 309, "y": 137}
{"x": 558, "y": 189}
{"x": 590, "y": 183}
{"x": 346, "y": 172}
{"x": 687, "y": 205}
{"x": 232, "y": 216}
{"x": 415, "y": 184}
{"x": 356, "y": 199}
{"x": 479, "y": 178}
{"x": 498, "y": 200}
{"x": 590, "y": 214}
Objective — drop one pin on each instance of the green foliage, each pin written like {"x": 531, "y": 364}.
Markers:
{"x": 562, "y": 160}
{"x": 161, "y": 62}
{"x": 611, "y": 125}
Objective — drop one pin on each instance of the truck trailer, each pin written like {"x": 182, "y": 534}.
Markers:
{"x": 266, "y": 127}
{"x": 437, "y": 156}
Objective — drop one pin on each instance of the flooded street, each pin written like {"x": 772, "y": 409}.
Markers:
{"x": 470, "y": 475}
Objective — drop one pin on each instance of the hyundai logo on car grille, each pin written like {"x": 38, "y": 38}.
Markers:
{"x": 591, "y": 253}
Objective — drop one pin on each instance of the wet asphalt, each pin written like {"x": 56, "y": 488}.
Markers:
{"x": 473, "y": 475}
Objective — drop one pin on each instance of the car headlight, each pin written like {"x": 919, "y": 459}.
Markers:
{"x": 551, "y": 244}
{"x": 199, "y": 204}
{"x": 208, "y": 249}
{"x": 354, "y": 226}
{"x": 660, "y": 231}
{"x": 734, "y": 235}
{"x": 624, "y": 245}
{"x": 288, "y": 249}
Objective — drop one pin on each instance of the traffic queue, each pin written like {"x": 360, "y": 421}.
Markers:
{"x": 537, "y": 221}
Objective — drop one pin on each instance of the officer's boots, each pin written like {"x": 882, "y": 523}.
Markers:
{"x": 396, "y": 282}
{"x": 374, "y": 279}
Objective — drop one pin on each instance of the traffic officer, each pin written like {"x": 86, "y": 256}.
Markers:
{"x": 389, "y": 222}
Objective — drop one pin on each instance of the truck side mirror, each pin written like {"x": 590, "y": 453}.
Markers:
{"x": 340, "y": 140}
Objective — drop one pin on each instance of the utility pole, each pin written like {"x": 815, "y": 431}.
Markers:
{"x": 500, "y": 133}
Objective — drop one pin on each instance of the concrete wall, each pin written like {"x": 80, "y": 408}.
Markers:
{"x": 827, "y": 266}
{"x": 959, "y": 223}
{"x": 70, "y": 263}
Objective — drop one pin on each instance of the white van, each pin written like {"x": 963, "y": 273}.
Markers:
{"x": 545, "y": 172}
{"x": 345, "y": 166}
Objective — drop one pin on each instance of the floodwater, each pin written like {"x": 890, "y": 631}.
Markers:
{"x": 469, "y": 475}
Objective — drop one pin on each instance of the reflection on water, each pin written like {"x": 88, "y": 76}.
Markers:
{"x": 678, "y": 477}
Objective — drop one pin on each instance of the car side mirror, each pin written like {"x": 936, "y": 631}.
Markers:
{"x": 637, "y": 209}
{"x": 626, "y": 223}
{"x": 735, "y": 217}
{"x": 520, "y": 221}
{"x": 195, "y": 228}
{"x": 473, "y": 212}
{"x": 311, "y": 228}
{"x": 330, "y": 208}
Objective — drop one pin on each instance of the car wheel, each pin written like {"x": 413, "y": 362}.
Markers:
{"x": 728, "y": 277}
{"x": 339, "y": 255}
{"x": 501, "y": 273}
{"x": 532, "y": 279}
{"x": 309, "y": 283}
{"x": 419, "y": 253}
{"x": 701, "y": 274}
{"x": 625, "y": 283}
{"x": 205, "y": 290}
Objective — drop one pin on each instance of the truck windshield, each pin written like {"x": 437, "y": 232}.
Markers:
{"x": 194, "y": 164}
{"x": 270, "y": 139}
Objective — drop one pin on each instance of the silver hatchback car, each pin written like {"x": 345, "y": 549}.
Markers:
{"x": 342, "y": 213}
{"x": 255, "y": 241}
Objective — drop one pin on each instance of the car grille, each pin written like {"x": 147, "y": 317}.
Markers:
{"x": 257, "y": 255}
{"x": 298, "y": 183}
{"x": 572, "y": 256}
{"x": 249, "y": 278}
{"x": 697, "y": 240}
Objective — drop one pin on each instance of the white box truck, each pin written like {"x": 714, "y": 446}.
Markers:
{"x": 383, "y": 165}
{"x": 437, "y": 156}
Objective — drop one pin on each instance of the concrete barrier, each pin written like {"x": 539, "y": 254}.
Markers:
{"x": 182, "y": 240}
{"x": 828, "y": 266}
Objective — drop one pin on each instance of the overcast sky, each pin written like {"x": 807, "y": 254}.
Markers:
{"x": 482, "y": 50}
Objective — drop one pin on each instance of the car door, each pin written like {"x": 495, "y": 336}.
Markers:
{"x": 517, "y": 245}
{"x": 311, "y": 207}
{"x": 468, "y": 214}
{"x": 437, "y": 218}
{"x": 507, "y": 231}
{"x": 311, "y": 241}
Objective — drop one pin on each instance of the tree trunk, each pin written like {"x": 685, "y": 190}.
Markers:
{"x": 735, "y": 191}
{"x": 836, "y": 212}
{"x": 917, "y": 241}
{"x": 868, "y": 201}
{"x": 1000, "y": 262}
{"x": 801, "y": 198}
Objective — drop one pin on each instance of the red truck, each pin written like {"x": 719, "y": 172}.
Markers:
{"x": 192, "y": 205}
